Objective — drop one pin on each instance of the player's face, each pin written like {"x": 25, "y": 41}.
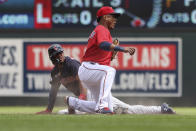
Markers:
{"x": 111, "y": 21}
{"x": 60, "y": 57}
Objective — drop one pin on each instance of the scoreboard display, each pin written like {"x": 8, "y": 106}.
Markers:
{"x": 58, "y": 14}
{"x": 16, "y": 14}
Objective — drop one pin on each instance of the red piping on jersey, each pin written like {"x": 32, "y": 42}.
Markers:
{"x": 104, "y": 79}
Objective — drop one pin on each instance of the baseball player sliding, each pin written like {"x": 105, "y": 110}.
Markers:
{"x": 65, "y": 72}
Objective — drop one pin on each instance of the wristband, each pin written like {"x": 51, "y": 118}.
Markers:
{"x": 105, "y": 46}
{"x": 82, "y": 97}
{"x": 119, "y": 48}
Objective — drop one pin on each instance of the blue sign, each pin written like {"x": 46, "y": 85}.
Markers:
{"x": 16, "y": 21}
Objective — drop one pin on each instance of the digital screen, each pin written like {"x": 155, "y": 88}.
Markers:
{"x": 81, "y": 14}
{"x": 135, "y": 13}
{"x": 154, "y": 70}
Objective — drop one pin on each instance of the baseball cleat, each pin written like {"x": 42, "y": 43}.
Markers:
{"x": 66, "y": 100}
{"x": 105, "y": 110}
{"x": 165, "y": 109}
{"x": 70, "y": 110}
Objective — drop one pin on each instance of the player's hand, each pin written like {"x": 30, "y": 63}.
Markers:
{"x": 129, "y": 50}
{"x": 44, "y": 112}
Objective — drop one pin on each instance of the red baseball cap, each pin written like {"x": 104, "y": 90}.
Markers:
{"x": 106, "y": 10}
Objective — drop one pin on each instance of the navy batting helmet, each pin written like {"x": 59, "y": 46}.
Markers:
{"x": 53, "y": 50}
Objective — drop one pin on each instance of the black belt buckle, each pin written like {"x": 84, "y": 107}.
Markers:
{"x": 93, "y": 63}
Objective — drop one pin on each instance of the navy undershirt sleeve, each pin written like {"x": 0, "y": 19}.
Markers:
{"x": 105, "y": 46}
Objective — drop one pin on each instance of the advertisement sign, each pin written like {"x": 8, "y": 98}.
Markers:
{"x": 11, "y": 71}
{"x": 16, "y": 20}
{"x": 154, "y": 70}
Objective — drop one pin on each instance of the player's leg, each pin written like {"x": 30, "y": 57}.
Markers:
{"x": 75, "y": 106}
{"x": 66, "y": 111}
{"x": 94, "y": 96}
{"x": 123, "y": 108}
{"x": 110, "y": 103}
{"x": 119, "y": 107}
{"x": 98, "y": 79}
{"x": 140, "y": 109}
{"x": 85, "y": 106}
{"x": 104, "y": 99}
{"x": 81, "y": 105}
{"x": 91, "y": 98}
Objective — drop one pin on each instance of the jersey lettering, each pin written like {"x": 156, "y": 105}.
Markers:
{"x": 92, "y": 35}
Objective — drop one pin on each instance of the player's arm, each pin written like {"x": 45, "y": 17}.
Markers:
{"x": 52, "y": 95}
{"x": 55, "y": 84}
{"x": 52, "y": 99}
{"x": 112, "y": 47}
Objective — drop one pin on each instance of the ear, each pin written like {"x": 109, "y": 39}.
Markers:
{"x": 105, "y": 17}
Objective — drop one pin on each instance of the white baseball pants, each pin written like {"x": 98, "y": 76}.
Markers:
{"x": 89, "y": 106}
{"x": 98, "y": 79}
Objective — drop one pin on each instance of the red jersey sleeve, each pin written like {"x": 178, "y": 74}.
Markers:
{"x": 102, "y": 35}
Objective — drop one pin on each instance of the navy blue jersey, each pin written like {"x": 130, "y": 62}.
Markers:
{"x": 67, "y": 76}
{"x": 70, "y": 68}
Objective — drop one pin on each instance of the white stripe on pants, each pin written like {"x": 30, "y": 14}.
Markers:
{"x": 98, "y": 79}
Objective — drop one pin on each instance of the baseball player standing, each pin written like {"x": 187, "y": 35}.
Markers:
{"x": 95, "y": 73}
